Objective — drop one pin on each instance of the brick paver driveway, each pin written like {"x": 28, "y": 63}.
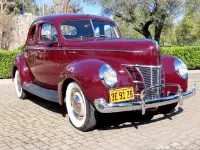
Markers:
{"x": 38, "y": 124}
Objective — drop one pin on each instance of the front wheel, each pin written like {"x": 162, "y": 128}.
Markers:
{"x": 18, "y": 87}
{"x": 81, "y": 112}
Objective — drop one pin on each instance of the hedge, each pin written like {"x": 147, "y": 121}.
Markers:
{"x": 189, "y": 54}
{"x": 6, "y": 62}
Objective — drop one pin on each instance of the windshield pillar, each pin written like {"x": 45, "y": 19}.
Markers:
{"x": 92, "y": 27}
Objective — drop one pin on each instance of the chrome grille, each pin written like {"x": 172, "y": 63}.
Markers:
{"x": 151, "y": 77}
{"x": 145, "y": 77}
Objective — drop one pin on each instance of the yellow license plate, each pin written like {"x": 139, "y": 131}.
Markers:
{"x": 121, "y": 95}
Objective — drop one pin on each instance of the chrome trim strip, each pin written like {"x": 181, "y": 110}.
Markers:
{"x": 104, "y": 107}
{"x": 137, "y": 82}
{"x": 137, "y": 65}
{"x": 77, "y": 49}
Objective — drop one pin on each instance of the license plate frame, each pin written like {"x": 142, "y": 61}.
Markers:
{"x": 127, "y": 94}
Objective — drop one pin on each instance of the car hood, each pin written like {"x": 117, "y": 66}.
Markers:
{"x": 140, "y": 51}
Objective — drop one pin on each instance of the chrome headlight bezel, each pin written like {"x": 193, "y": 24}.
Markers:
{"x": 157, "y": 45}
{"x": 181, "y": 68}
{"x": 104, "y": 73}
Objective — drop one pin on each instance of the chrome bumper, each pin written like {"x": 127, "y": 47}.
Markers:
{"x": 104, "y": 107}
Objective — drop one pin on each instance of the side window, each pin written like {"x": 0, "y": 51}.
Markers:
{"x": 48, "y": 32}
{"x": 97, "y": 31}
{"x": 109, "y": 31}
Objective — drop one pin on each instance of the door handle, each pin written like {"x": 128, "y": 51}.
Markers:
{"x": 72, "y": 52}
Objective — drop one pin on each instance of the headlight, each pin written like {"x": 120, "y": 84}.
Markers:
{"x": 181, "y": 68}
{"x": 108, "y": 75}
{"x": 157, "y": 45}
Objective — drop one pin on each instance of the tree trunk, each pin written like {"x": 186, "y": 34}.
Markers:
{"x": 147, "y": 34}
{"x": 158, "y": 28}
{"x": 158, "y": 31}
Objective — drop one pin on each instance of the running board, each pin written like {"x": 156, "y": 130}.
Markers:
{"x": 44, "y": 93}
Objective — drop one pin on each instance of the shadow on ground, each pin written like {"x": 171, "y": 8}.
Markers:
{"x": 130, "y": 119}
{"x": 108, "y": 121}
{"x": 54, "y": 107}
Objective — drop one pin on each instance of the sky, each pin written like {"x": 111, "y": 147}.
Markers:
{"x": 87, "y": 9}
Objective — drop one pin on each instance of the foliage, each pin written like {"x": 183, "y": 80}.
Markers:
{"x": 126, "y": 30}
{"x": 188, "y": 30}
{"x": 60, "y": 7}
{"x": 141, "y": 14}
{"x": 189, "y": 54}
{"x": 6, "y": 62}
{"x": 20, "y": 6}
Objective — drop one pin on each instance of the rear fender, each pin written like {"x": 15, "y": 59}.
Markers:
{"x": 25, "y": 73}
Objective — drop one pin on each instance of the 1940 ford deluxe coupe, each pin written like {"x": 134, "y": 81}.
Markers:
{"x": 83, "y": 62}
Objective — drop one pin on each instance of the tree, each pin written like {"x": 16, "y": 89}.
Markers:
{"x": 4, "y": 6}
{"x": 18, "y": 6}
{"x": 188, "y": 30}
{"x": 60, "y": 7}
{"x": 142, "y": 15}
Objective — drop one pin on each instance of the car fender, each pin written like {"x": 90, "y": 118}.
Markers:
{"x": 86, "y": 74}
{"x": 25, "y": 73}
{"x": 170, "y": 74}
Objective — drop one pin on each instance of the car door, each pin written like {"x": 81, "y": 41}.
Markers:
{"x": 30, "y": 48}
{"x": 47, "y": 62}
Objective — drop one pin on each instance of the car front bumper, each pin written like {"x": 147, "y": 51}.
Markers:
{"x": 104, "y": 107}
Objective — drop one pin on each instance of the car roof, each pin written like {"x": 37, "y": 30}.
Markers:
{"x": 65, "y": 17}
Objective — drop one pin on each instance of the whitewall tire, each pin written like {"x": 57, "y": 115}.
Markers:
{"x": 81, "y": 112}
{"x": 18, "y": 87}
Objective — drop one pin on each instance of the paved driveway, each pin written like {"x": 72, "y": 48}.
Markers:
{"x": 37, "y": 124}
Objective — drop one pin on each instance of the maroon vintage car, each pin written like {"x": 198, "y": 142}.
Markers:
{"x": 83, "y": 62}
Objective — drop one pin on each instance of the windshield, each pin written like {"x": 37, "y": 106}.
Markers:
{"x": 84, "y": 28}
{"x": 76, "y": 29}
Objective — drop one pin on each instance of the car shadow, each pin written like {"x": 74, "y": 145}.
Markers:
{"x": 107, "y": 121}
{"x": 130, "y": 119}
{"x": 52, "y": 106}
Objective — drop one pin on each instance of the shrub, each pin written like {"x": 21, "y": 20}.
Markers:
{"x": 189, "y": 54}
{"x": 6, "y": 62}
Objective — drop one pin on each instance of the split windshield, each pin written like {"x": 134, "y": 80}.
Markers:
{"x": 87, "y": 28}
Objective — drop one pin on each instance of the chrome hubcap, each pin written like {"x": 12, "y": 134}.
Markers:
{"x": 77, "y": 105}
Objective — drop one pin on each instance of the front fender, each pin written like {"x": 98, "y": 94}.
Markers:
{"x": 25, "y": 73}
{"x": 171, "y": 75}
{"x": 86, "y": 74}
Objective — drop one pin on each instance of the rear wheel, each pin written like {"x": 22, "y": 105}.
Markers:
{"x": 81, "y": 112}
{"x": 18, "y": 87}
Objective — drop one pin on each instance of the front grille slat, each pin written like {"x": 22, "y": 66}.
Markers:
{"x": 149, "y": 76}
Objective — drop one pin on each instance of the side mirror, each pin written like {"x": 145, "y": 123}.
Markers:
{"x": 128, "y": 34}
